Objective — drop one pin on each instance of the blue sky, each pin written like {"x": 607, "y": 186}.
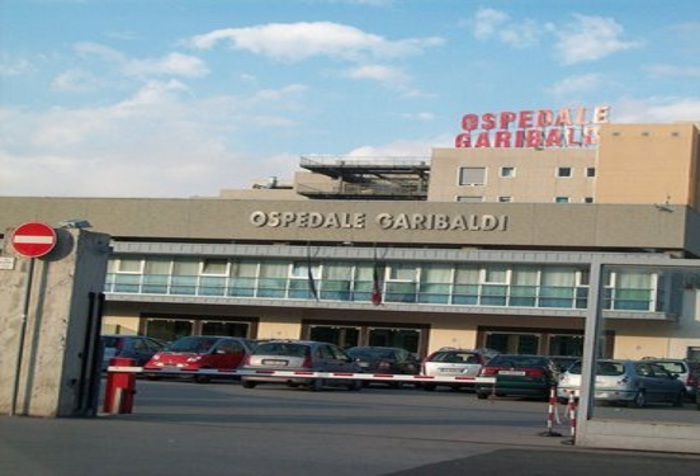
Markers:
{"x": 180, "y": 98}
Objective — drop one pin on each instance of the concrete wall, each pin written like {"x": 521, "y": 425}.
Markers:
{"x": 639, "y": 436}
{"x": 53, "y": 363}
{"x": 648, "y": 163}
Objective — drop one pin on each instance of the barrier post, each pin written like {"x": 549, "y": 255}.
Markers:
{"x": 120, "y": 389}
{"x": 572, "y": 410}
{"x": 551, "y": 413}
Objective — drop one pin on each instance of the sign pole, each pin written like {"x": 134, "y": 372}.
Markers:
{"x": 22, "y": 332}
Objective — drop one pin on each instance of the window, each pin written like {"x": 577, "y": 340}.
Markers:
{"x": 505, "y": 199}
{"x": 216, "y": 266}
{"x": 472, "y": 176}
{"x": 304, "y": 280}
{"x": 561, "y": 200}
{"x": 129, "y": 265}
{"x": 507, "y": 172}
{"x": 496, "y": 274}
{"x": 470, "y": 199}
{"x": 402, "y": 272}
{"x": 587, "y": 199}
{"x": 564, "y": 172}
{"x": 590, "y": 171}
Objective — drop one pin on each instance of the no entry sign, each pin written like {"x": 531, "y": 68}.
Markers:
{"x": 33, "y": 239}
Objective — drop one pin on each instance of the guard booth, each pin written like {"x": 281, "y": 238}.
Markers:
{"x": 50, "y": 315}
{"x": 627, "y": 433}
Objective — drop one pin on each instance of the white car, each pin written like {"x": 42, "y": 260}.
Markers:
{"x": 451, "y": 362}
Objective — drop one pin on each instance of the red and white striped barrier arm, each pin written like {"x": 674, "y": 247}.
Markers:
{"x": 307, "y": 374}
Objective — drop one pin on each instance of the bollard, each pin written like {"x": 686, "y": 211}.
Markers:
{"x": 551, "y": 414}
{"x": 571, "y": 409}
{"x": 120, "y": 389}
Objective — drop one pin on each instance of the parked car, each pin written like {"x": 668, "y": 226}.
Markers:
{"x": 631, "y": 382}
{"x": 686, "y": 370}
{"x": 562, "y": 363}
{"x": 303, "y": 356}
{"x": 451, "y": 362}
{"x": 139, "y": 348}
{"x": 521, "y": 375}
{"x": 384, "y": 360}
{"x": 199, "y": 352}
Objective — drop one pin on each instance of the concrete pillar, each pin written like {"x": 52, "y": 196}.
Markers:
{"x": 58, "y": 352}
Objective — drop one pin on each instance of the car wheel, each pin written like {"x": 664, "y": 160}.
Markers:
{"x": 316, "y": 385}
{"x": 639, "y": 401}
{"x": 482, "y": 395}
{"x": 429, "y": 387}
{"x": 152, "y": 377}
{"x": 355, "y": 386}
{"x": 248, "y": 384}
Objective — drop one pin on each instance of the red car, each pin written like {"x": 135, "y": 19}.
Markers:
{"x": 193, "y": 353}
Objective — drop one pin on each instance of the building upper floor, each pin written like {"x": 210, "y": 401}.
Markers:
{"x": 632, "y": 164}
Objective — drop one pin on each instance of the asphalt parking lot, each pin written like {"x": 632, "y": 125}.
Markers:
{"x": 179, "y": 427}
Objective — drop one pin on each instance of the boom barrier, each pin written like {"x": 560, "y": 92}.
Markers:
{"x": 302, "y": 373}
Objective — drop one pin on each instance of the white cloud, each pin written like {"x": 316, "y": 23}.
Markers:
{"x": 576, "y": 84}
{"x": 672, "y": 70}
{"x": 76, "y": 80}
{"x": 384, "y": 74}
{"x": 489, "y": 23}
{"x": 657, "y": 110}
{"x": 586, "y": 38}
{"x": 172, "y": 64}
{"x": 10, "y": 67}
{"x": 402, "y": 148}
{"x": 300, "y": 41}
{"x": 419, "y": 116}
{"x": 175, "y": 64}
{"x": 589, "y": 38}
{"x": 159, "y": 142}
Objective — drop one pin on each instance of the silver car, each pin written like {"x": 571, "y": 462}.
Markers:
{"x": 634, "y": 383}
{"x": 299, "y": 356}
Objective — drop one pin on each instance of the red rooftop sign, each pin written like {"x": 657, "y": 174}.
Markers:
{"x": 541, "y": 128}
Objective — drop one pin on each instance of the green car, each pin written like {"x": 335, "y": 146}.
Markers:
{"x": 519, "y": 375}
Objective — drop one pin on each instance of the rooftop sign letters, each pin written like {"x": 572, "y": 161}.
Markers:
{"x": 538, "y": 129}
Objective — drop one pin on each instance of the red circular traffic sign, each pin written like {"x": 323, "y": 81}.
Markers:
{"x": 33, "y": 239}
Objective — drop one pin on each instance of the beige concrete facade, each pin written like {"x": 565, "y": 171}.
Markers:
{"x": 634, "y": 164}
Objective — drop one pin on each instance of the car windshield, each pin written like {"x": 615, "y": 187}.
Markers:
{"x": 199, "y": 345}
{"x": 518, "y": 361}
{"x": 609, "y": 369}
{"x": 281, "y": 348}
{"x": 456, "y": 358}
